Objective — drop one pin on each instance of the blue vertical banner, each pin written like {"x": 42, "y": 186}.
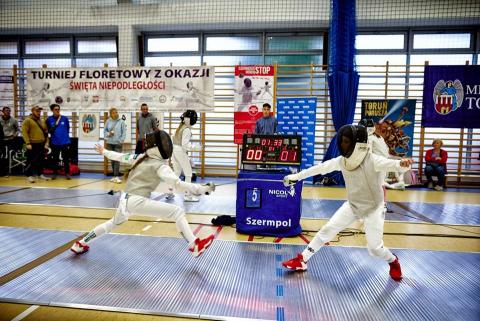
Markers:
{"x": 296, "y": 116}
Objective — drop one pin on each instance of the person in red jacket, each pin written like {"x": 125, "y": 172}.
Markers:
{"x": 436, "y": 160}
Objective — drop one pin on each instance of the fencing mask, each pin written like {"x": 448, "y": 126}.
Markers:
{"x": 352, "y": 142}
{"x": 190, "y": 114}
{"x": 162, "y": 140}
{"x": 369, "y": 124}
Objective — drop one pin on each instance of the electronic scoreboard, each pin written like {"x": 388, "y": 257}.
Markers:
{"x": 272, "y": 149}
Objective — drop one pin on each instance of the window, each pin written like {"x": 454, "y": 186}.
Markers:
{"x": 177, "y": 44}
{"x": 38, "y": 63}
{"x": 174, "y": 61}
{"x": 293, "y": 59}
{"x": 47, "y": 47}
{"x": 380, "y": 42}
{"x": 96, "y": 51}
{"x": 8, "y": 48}
{"x": 96, "y": 62}
{"x": 232, "y": 60}
{"x": 441, "y": 59}
{"x": 85, "y": 46}
{"x": 294, "y": 43}
{"x": 234, "y": 43}
{"x": 8, "y": 63}
{"x": 442, "y": 41}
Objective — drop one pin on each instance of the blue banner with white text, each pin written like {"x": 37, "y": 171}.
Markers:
{"x": 296, "y": 116}
{"x": 267, "y": 207}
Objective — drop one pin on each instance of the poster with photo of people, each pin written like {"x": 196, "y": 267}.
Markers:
{"x": 254, "y": 86}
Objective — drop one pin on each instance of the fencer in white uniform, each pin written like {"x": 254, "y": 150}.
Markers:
{"x": 363, "y": 174}
{"x": 182, "y": 145}
{"x": 379, "y": 147}
{"x": 147, "y": 172}
{"x": 376, "y": 142}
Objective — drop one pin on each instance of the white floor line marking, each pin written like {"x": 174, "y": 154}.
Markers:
{"x": 25, "y": 313}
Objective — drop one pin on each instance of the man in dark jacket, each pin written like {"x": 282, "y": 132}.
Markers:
{"x": 146, "y": 123}
{"x": 35, "y": 135}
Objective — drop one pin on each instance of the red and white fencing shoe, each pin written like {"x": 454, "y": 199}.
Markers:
{"x": 79, "y": 248}
{"x": 395, "y": 270}
{"x": 200, "y": 245}
{"x": 296, "y": 264}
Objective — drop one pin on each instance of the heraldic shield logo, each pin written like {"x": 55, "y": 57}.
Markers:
{"x": 448, "y": 96}
{"x": 89, "y": 123}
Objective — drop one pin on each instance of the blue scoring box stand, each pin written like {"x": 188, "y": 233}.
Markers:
{"x": 266, "y": 207}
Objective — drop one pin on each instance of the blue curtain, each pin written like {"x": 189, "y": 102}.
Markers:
{"x": 342, "y": 76}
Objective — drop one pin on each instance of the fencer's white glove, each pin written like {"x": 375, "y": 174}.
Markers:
{"x": 196, "y": 148}
{"x": 290, "y": 180}
{"x": 206, "y": 189}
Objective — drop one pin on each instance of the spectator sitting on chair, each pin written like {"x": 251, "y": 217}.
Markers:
{"x": 436, "y": 160}
{"x": 59, "y": 129}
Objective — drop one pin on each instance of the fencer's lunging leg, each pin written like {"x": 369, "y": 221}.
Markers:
{"x": 121, "y": 215}
{"x": 374, "y": 234}
{"x": 145, "y": 206}
{"x": 142, "y": 205}
{"x": 342, "y": 218}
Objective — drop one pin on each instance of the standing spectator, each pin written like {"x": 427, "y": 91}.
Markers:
{"x": 146, "y": 123}
{"x": 34, "y": 131}
{"x": 59, "y": 129}
{"x": 267, "y": 125}
{"x": 436, "y": 164}
{"x": 114, "y": 132}
{"x": 10, "y": 131}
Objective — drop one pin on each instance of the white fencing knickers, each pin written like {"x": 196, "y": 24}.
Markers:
{"x": 181, "y": 162}
{"x": 134, "y": 204}
{"x": 342, "y": 218}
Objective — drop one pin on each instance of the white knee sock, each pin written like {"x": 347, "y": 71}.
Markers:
{"x": 314, "y": 245}
{"x": 98, "y": 231}
{"x": 188, "y": 179}
{"x": 185, "y": 230}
